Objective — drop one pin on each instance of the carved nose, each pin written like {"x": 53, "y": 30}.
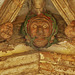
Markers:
{"x": 40, "y": 31}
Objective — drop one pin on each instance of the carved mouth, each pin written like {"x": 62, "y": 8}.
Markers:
{"x": 40, "y": 42}
{"x": 39, "y": 39}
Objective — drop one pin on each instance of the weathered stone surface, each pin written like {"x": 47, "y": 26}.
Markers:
{"x": 54, "y": 63}
{"x": 50, "y": 7}
{"x": 21, "y": 70}
{"x": 19, "y": 63}
{"x": 72, "y": 4}
{"x": 65, "y": 10}
{"x": 10, "y": 10}
{"x": 37, "y": 63}
{"x": 29, "y": 63}
{"x": 6, "y": 30}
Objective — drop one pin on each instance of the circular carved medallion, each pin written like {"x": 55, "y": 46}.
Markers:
{"x": 39, "y": 30}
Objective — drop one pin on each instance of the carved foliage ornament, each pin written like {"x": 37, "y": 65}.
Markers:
{"x": 39, "y": 30}
{"x": 6, "y": 30}
{"x": 70, "y": 32}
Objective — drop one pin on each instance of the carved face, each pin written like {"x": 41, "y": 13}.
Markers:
{"x": 40, "y": 27}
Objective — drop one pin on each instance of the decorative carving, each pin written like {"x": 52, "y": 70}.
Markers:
{"x": 9, "y": 10}
{"x": 39, "y": 30}
{"x": 40, "y": 27}
{"x": 70, "y": 31}
{"x": 64, "y": 9}
{"x": 6, "y": 30}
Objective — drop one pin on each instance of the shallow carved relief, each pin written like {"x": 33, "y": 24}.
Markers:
{"x": 6, "y": 30}
{"x": 10, "y": 10}
{"x": 70, "y": 31}
{"x": 39, "y": 27}
{"x": 66, "y": 9}
{"x": 8, "y": 13}
{"x": 72, "y": 4}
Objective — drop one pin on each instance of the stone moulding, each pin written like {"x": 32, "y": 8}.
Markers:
{"x": 64, "y": 9}
{"x": 9, "y": 10}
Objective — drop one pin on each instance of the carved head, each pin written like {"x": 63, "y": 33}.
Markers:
{"x": 40, "y": 27}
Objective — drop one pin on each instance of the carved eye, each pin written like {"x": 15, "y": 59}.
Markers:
{"x": 35, "y": 26}
{"x": 45, "y": 26}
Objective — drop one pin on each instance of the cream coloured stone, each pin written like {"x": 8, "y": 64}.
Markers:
{"x": 41, "y": 56}
{"x": 17, "y": 49}
{"x": 62, "y": 47}
{"x": 1, "y": 2}
{"x": 16, "y": 70}
{"x": 19, "y": 60}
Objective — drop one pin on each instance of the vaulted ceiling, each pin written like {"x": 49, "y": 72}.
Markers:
{"x": 10, "y": 9}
